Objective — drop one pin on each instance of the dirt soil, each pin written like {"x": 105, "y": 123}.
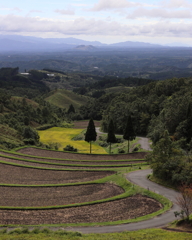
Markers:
{"x": 52, "y": 196}
{"x": 128, "y": 208}
{"x": 44, "y": 165}
{"x": 92, "y": 157}
{"x": 123, "y": 209}
{"x": 29, "y": 176}
{"x": 84, "y": 124}
{"x": 83, "y": 162}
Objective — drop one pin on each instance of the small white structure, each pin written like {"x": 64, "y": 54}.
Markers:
{"x": 26, "y": 74}
{"x": 50, "y": 74}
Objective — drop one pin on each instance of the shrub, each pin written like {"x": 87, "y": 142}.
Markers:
{"x": 103, "y": 144}
{"x": 120, "y": 150}
{"x": 70, "y": 148}
{"x": 36, "y": 231}
{"x": 135, "y": 149}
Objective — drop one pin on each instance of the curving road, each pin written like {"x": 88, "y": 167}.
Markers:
{"x": 139, "y": 178}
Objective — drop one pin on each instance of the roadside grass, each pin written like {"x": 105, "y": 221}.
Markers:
{"x": 64, "y": 136}
{"x": 46, "y": 234}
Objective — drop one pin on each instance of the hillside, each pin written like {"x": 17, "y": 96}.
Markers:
{"x": 63, "y": 99}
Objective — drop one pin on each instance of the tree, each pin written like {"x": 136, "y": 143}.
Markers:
{"x": 30, "y": 135}
{"x": 166, "y": 160}
{"x": 111, "y": 135}
{"x": 71, "y": 109}
{"x": 184, "y": 200}
{"x": 90, "y": 134}
{"x": 129, "y": 133}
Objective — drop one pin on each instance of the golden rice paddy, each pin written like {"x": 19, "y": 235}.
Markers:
{"x": 63, "y": 137}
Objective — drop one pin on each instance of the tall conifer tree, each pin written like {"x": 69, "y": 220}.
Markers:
{"x": 90, "y": 134}
{"x": 129, "y": 133}
{"x": 111, "y": 135}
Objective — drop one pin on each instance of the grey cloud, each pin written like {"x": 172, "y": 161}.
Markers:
{"x": 93, "y": 27}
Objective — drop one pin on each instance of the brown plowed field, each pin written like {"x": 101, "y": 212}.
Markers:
{"x": 44, "y": 165}
{"x": 83, "y": 162}
{"x": 123, "y": 209}
{"x": 51, "y": 196}
{"x": 64, "y": 155}
{"x": 84, "y": 124}
{"x": 29, "y": 176}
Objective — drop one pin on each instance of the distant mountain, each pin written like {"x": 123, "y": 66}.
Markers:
{"x": 85, "y": 48}
{"x": 25, "y": 43}
{"x": 9, "y": 43}
{"x": 135, "y": 45}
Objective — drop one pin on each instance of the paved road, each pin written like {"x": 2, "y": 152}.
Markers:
{"x": 139, "y": 178}
{"x": 144, "y": 142}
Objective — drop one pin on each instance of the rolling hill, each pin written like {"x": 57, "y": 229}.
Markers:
{"x": 63, "y": 98}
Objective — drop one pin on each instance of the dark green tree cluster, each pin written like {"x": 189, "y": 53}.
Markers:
{"x": 169, "y": 162}
{"x": 154, "y": 107}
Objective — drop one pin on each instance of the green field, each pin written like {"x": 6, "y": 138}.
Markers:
{"x": 64, "y": 136}
{"x": 63, "y": 98}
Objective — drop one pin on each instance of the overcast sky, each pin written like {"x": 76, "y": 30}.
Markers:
{"x": 108, "y": 21}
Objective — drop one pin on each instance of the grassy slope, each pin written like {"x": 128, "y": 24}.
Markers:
{"x": 63, "y": 136}
{"x": 63, "y": 98}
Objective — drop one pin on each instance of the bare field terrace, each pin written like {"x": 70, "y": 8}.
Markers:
{"x": 29, "y": 176}
{"x": 65, "y": 155}
{"x": 51, "y": 196}
{"x": 127, "y": 208}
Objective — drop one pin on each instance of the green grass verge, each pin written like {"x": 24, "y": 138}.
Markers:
{"x": 47, "y": 234}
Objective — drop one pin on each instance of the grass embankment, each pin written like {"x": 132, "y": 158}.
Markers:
{"x": 46, "y": 234}
{"x": 64, "y": 136}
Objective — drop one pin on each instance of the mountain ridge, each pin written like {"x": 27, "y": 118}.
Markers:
{"x": 26, "y": 43}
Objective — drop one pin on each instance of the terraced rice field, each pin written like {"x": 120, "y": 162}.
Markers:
{"x": 50, "y": 187}
{"x": 64, "y": 136}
